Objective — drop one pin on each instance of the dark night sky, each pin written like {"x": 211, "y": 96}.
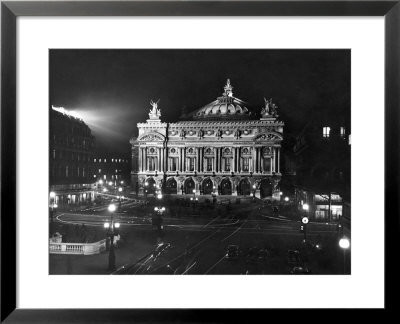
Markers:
{"x": 111, "y": 89}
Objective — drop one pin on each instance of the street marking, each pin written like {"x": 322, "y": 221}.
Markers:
{"x": 215, "y": 264}
{"x": 189, "y": 268}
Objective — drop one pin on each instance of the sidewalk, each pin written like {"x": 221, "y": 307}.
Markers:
{"x": 131, "y": 250}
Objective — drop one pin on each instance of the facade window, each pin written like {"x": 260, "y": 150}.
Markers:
{"x": 173, "y": 164}
{"x": 342, "y": 132}
{"x": 112, "y": 160}
{"x": 267, "y": 165}
{"x": 326, "y": 132}
{"x": 226, "y": 164}
{"x": 99, "y": 170}
{"x": 105, "y": 177}
{"x": 191, "y": 164}
{"x": 245, "y": 166}
{"x": 99, "y": 160}
{"x": 54, "y": 154}
{"x": 83, "y": 172}
{"x": 152, "y": 162}
{"x": 66, "y": 171}
{"x": 105, "y": 160}
{"x": 209, "y": 165}
{"x": 94, "y": 160}
{"x": 78, "y": 172}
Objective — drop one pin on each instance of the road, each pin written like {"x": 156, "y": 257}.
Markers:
{"x": 197, "y": 244}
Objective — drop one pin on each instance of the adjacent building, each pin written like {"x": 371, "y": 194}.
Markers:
{"x": 71, "y": 158}
{"x": 221, "y": 148}
{"x": 322, "y": 153}
{"x": 112, "y": 167}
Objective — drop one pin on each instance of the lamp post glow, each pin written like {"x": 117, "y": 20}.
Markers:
{"x": 119, "y": 197}
{"x": 111, "y": 226}
{"x": 53, "y": 206}
{"x": 157, "y": 220}
{"x": 344, "y": 244}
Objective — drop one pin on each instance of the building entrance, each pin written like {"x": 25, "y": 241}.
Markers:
{"x": 226, "y": 187}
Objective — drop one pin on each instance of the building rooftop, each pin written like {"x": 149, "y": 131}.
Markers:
{"x": 225, "y": 107}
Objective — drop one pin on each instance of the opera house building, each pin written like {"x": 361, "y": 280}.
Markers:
{"x": 221, "y": 148}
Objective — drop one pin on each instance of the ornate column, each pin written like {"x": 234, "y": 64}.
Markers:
{"x": 274, "y": 160}
{"x": 184, "y": 160}
{"x": 234, "y": 159}
{"x": 220, "y": 160}
{"x": 279, "y": 157}
{"x": 238, "y": 165}
{"x": 261, "y": 161}
{"x": 162, "y": 159}
{"x": 256, "y": 161}
{"x": 158, "y": 159}
{"x": 180, "y": 160}
{"x": 201, "y": 159}
{"x": 215, "y": 160}
{"x": 165, "y": 159}
{"x": 140, "y": 160}
{"x": 145, "y": 158}
{"x": 253, "y": 161}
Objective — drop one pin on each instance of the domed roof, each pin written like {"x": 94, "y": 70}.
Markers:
{"x": 225, "y": 107}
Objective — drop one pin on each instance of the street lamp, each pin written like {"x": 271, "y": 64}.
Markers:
{"x": 344, "y": 244}
{"x": 119, "y": 197}
{"x": 286, "y": 199}
{"x": 53, "y": 204}
{"x": 254, "y": 190}
{"x": 111, "y": 233}
{"x": 159, "y": 212}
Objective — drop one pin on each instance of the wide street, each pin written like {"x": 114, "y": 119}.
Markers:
{"x": 225, "y": 238}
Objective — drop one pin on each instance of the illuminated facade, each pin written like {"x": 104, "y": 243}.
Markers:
{"x": 219, "y": 149}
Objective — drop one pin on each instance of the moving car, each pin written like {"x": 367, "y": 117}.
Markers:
{"x": 294, "y": 258}
{"x": 232, "y": 252}
{"x": 300, "y": 270}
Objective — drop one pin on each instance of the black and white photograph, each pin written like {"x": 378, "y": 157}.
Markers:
{"x": 199, "y": 161}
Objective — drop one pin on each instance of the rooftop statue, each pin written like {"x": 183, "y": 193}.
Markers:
{"x": 155, "y": 112}
{"x": 270, "y": 108}
{"x": 228, "y": 88}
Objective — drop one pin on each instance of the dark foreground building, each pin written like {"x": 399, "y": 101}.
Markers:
{"x": 71, "y": 159}
{"x": 322, "y": 152}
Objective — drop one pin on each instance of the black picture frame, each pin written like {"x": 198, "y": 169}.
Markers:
{"x": 10, "y": 10}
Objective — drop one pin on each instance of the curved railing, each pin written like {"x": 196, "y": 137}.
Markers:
{"x": 79, "y": 248}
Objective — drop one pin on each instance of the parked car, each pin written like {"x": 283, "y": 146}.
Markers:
{"x": 232, "y": 252}
{"x": 300, "y": 270}
{"x": 252, "y": 255}
{"x": 262, "y": 255}
{"x": 294, "y": 258}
